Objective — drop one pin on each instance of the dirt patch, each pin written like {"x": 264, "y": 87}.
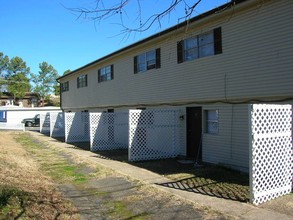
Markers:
{"x": 283, "y": 205}
{"x": 24, "y": 191}
{"x": 215, "y": 181}
{"x": 100, "y": 193}
{"x": 104, "y": 194}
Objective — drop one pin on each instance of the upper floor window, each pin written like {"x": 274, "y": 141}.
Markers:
{"x": 82, "y": 81}
{"x": 65, "y": 86}
{"x": 148, "y": 60}
{"x": 106, "y": 73}
{"x": 206, "y": 44}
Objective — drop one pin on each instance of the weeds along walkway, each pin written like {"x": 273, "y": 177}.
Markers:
{"x": 99, "y": 192}
{"x": 154, "y": 185}
{"x": 25, "y": 191}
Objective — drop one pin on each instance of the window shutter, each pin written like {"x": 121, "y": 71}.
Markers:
{"x": 99, "y": 75}
{"x": 218, "y": 40}
{"x": 158, "y": 58}
{"x": 135, "y": 64}
{"x": 180, "y": 51}
{"x": 112, "y": 72}
{"x": 77, "y": 82}
{"x": 85, "y": 80}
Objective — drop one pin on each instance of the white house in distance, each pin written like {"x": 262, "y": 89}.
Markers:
{"x": 11, "y": 116}
{"x": 210, "y": 67}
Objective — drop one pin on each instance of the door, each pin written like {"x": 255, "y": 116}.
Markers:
{"x": 194, "y": 132}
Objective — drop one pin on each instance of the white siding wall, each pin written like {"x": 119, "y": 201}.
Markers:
{"x": 259, "y": 50}
{"x": 15, "y": 116}
{"x": 230, "y": 146}
{"x": 256, "y": 63}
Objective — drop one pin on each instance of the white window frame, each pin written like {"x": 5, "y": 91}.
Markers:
{"x": 65, "y": 86}
{"x": 105, "y": 73}
{"x": 199, "y": 46}
{"x": 211, "y": 121}
{"x": 82, "y": 81}
{"x": 146, "y": 61}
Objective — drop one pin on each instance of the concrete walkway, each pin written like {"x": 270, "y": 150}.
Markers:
{"x": 228, "y": 207}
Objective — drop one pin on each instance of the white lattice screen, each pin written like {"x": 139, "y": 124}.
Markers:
{"x": 57, "y": 124}
{"x": 154, "y": 134}
{"x": 45, "y": 123}
{"x": 109, "y": 131}
{"x": 77, "y": 127}
{"x": 271, "y": 152}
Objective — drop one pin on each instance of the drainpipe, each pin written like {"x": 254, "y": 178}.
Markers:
{"x": 60, "y": 95}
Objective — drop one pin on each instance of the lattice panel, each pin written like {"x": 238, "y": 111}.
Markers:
{"x": 109, "y": 131}
{"x": 271, "y": 152}
{"x": 77, "y": 127}
{"x": 291, "y": 151}
{"x": 154, "y": 134}
{"x": 57, "y": 124}
{"x": 45, "y": 123}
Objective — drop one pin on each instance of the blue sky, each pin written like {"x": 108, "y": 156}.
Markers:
{"x": 44, "y": 30}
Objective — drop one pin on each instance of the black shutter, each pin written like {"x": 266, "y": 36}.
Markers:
{"x": 218, "y": 40}
{"x": 135, "y": 64}
{"x": 67, "y": 83}
{"x": 158, "y": 58}
{"x": 99, "y": 75}
{"x": 112, "y": 72}
{"x": 180, "y": 51}
{"x": 77, "y": 82}
{"x": 85, "y": 80}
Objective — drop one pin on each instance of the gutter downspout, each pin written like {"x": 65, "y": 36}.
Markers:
{"x": 60, "y": 94}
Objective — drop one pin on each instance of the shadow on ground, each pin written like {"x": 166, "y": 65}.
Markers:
{"x": 214, "y": 181}
{"x": 208, "y": 180}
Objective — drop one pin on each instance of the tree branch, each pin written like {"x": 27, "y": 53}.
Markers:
{"x": 101, "y": 11}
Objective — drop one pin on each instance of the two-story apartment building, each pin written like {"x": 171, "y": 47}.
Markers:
{"x": 211, "y": 67}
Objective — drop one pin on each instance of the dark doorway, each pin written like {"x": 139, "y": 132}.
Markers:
{"x": 194, "y": 131}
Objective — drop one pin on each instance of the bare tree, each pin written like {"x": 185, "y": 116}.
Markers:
{"x": 102, "y": 10}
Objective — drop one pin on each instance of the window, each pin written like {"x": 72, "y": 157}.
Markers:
{"x": 65, "y": 86}
{"x": 106, "y": 73}
{"x": 207, "y": 44}
{"x": 34, "y": 101}
{"x": 3, "y": 116}
{"x": 212, "y": 121}
{"x": 148, "y": 60}
{"x": 82, "y": 81}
